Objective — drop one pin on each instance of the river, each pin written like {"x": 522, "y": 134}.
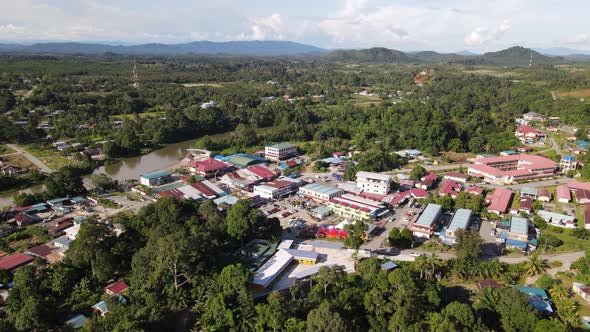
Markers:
{"x": 132, "y": 168}
{"x": 127, "y": 168}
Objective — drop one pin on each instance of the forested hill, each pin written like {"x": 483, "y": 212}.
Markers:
{"x": 265, "y": 48}
{"x": 519, "y": 56}
{"x": 514, "y": 56}
{"x": 376, "y": 54}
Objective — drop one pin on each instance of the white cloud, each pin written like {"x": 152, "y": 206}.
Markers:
{"x": 578, "y": 39}
{"x": 481, "y": 35}
{"x": 265, "y": 28}
{"x": 10, "y": 29}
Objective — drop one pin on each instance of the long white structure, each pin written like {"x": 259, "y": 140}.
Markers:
{"x": 375, "y": 183}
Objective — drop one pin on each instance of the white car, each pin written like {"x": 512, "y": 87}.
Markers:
{"x": 415, "y": 254}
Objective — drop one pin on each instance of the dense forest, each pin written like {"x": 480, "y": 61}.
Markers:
{"x": 458, "y": 111}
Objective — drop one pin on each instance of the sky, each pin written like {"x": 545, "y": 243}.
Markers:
{"x": 440, "y": 25}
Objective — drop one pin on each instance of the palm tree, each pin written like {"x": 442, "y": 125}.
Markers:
{"x": 559, "y": 292}
{"x": 488, "y": 298}
{"x": 433, "y": 264}
{"x": 534, "y": 265}
{"x": 420, "y": 264}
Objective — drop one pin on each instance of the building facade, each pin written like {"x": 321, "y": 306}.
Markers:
{"x": 375, "y": 183}
{"x": 280, "y": 151}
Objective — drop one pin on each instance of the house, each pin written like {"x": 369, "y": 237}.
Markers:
{"x": 538, "y": 298}
{"x": 40, "y": 251}
{"x": 355, "y": 207}
{"x": 526, "y": 205}
{"x": 389, "y": 266}
{"x": 528, "y": 134}
{"x": 583, "y": 196}
{"x": 76, "y": 322}
{"x": 376, "y": 183}
{"x": 531, "y": 192}
{"x": 208, "y": 105}
{"x": 24, "y": 219}
{"x": 456, "y": 176}
{"x": 563, "y": 194}
{"x": 568, "y": 163}
{"x": 499, "y": 201}
{"x": 425, "y": 224}
{"x": 100, "y": 308}
{"x": 510, "y": 169}
{"x": 280, "y": 151}
{"x": 575, "y": 185}
{"x": 518, "y": 233}
{"x": 56, "y": 228}
{"x": 12, "y": 170}
{"x": 409, "y": 153}
{"x": 303, "y": 256}
{"x": 450, "y": 188}
{"x": 557, "y": 219}
{"x": 460, "y": 221}
{"x": 155, "y": 178}
{"x": 12, "y": 262}
{"x": 398, "y": 199}
{"x": 545, "y": 195}
{"x": 508, "y": 153}
{"x": 475, "y": 190}
{"x": 72, "y": 232}
{"x": 208, "y": 168}
{"x": 116, "y": 288}
{"x": 524, "y": 149}
{"x": 533, "y": 116}
{"x": 320, "y": 192}
{"x": 582, "y": 290}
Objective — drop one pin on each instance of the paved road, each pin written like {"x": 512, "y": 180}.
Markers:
{"x": 556, "y": 146}
{"x": 32, "y": 158}
{"x": 546, "y": 183}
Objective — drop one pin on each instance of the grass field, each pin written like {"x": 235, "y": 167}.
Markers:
{"x": 52, "y": 158}
{"x": 212, "y": 85}
{"x": 5, "y": 149}
{"x": 580, "y": 93}
{"x": 141, "y": 115}
{"x": 570, "y": 243}
{"x": 18, "y": 160}
{"x": 366, "y": 101}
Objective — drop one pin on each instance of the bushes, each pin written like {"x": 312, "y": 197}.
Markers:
{"x": 549, "y": 241}
{"x": 403, "y": 239}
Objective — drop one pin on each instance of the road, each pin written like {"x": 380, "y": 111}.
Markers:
{"x": 546, "y": 183}
{"x": 32, "y": 158}
{"x": 556, "y": 146}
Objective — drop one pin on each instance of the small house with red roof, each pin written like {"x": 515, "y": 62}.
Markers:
{"x": 499, "y": 201}
{"x": 528, "y": 134}
{"x": 475, "y": 190}
{"x": 563, "y": 194}
{"x": 450, "y": 188}
{"x": 544, "y": 195}
{"x": 116, "y": 288}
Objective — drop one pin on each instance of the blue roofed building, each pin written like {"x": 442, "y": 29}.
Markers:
{"x": 568, "y": 163}
{"x": 76, "y": 322}
{"x": 538, "y": 298}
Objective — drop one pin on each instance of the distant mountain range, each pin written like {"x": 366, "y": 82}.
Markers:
{"x": 514, "y": 56}
{"x": 264, "y": 48}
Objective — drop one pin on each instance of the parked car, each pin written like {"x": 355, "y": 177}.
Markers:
{"x": 415, "y": 254}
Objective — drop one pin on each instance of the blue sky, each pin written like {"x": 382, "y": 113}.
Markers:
{"x": 445, "y": 25}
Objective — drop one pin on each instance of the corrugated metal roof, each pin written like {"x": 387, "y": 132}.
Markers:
{"x": 429, "y": 215}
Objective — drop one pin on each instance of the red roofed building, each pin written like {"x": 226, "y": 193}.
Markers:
{"x": 41, "y": 251}
{"x": 209, "y": 167}
{"x": 450, "y": 188}
{"x": 513, "y": 168}
{"x": 456, "y": 176}
{"x": 528, "y": 133}
{"x": 499, "y": 201}
{"x": 475, "y": 190}
{"x": 11, "y": 262}
{"x": 116, "y": 288}
{"x": 545, "y": 195}
{"x": 575, "y": 185}
{"x": 563, "y": 194}
{"x": 526, "y": 205}
{"x": 583, "y": 196}
{"x": 264, "y": 173}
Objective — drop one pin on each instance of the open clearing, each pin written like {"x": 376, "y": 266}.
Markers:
{"x": 192, "y": 85}
{"x": 574, "y": 93}
{"x": 366, "y": 101}
{"x": 143, "y": 115}
{"x": 18, "y": 160}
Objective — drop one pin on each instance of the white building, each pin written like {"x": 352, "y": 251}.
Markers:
{"x": 375, "y": 183}
{"x": 568, "y": 163}
{"x": 280, "y": 151}
{"x": 209, "y": 104}
{"x": 320, "y": 192}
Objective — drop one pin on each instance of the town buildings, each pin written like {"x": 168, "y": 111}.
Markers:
{"x": 426, "y": 223}
{"x": 280, "y": 151}
{"x": 278, "y": 188}
{"x": 456, "y": 176}
{"x": 510, "y": 169}
{"x": 375, "y": 183}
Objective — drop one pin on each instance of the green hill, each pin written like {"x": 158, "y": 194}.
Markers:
{"x": 376, "y": 54}
{"x": 519, "y": 56}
